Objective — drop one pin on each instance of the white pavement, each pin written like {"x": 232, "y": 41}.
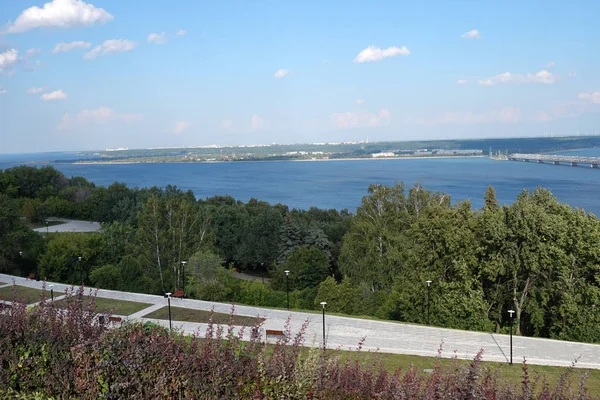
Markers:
{"x": 70, "y": 225}
{"x": 386, "y": 337}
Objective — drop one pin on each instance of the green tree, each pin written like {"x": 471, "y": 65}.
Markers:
{"x": 340, "y": 297}
{"x": 107, "y": 277}
{"x": 308, "y": 267}
{"x": 290, "y": 238}
{"x": 533, "y": 248}
{"x": 61, "y": 261}
{"x": 15, "y": 237}
{"x": 260, "y": 238}
{"x": 170, "y": 229}
{"x": 372, "y": 251}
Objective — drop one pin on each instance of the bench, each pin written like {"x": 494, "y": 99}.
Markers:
{"x": 115, "y": 320}
{"x": 275, "y": 333}
{"x": 178, "y": 293}
{"x": 31, "y": 276}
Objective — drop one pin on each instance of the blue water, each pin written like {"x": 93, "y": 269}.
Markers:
{"x": 342, "y": 184}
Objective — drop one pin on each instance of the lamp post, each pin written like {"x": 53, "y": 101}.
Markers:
{"x": 168, "y": 296}
{"x": 80, "y": 278}
{"x": 46, "y": 229}
{"x": 183, "y": 273}
{"x": 323, "y": 303}
{"x": 287, "y": 287}
{"x": 52, "y": 292}
{"x": 511, "y": 312}
{"x": 428, "y": 299}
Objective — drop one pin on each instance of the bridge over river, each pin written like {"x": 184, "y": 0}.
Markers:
{"x": 556, "y": 160}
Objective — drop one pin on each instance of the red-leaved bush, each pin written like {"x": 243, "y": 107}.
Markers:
{"x": 68, "y": 353}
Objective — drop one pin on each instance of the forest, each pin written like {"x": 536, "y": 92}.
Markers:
{"x": 536, "y": 256}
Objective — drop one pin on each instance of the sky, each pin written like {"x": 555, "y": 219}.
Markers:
{"x": 89, "y": 75}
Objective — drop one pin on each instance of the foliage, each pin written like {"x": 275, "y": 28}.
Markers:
{"x": 69, "y": 257}
{"x": 307, "y": 266}
{"x": 15, "y": 237}
{"x": 106, "y": 277}
{"x": 536, "y": 256}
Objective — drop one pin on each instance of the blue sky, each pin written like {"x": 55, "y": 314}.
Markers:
{"x": 98, "y": 74}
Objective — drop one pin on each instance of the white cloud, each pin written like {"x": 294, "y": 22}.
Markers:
{"x": 110, "y": 47}
{"x": 360, "y": 101}
{"x": 3, "y": 91}
{"x": 34, "y": 90}
{"x": 550, "y": 64}
{"x": 8, "y": 58}
{"x": 65, "y": 47}
{"x": 373, "y": 53}
{"x": 593, "y": 97}
{"x": 281, "y": 73}
{"x": 99, "y": 115}
{"x": 570, "y": 109}
{"x": 571, "y": 74}
{"x": 181, "y": 32}
{"x": 542, "y": 76}
{"x": 180, "y": 126}
{"x": 258, "y": 123}
{"x": 32, "y": 52}
{"x": 56, "y": 95}
{"x": 461, "y": 82}
{"x": 225, "y": 125}
{"x": 360, "y": 119}
{"x": 157, "y": 38}
{"x": 506, "y": 115}
{"x": 59, "y": 14}
{"x": 474, "y": 34}
{"x": 542, "y": 116}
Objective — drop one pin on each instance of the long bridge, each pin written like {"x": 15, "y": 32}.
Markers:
{"x": 556, "y": 160}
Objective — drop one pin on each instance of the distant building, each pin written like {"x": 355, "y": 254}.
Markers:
{"x": 443, "y": 152}
{"x": 383, "y": 154}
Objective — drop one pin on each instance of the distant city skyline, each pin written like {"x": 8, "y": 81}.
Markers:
{"x": 98, "y": 74}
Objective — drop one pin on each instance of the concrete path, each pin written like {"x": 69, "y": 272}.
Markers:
{"x": 386, "y": 337}
{"x": 70, "y": 225}
{"x": 248, "y": 277}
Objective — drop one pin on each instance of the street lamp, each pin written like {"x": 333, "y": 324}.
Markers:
{"x": 46, "y": 228}
{"x": 511, "y": 312}
{"x": 168, "y": 297}
{"x": 183, "y": 273}
{"x": 287, "y": 287}
{"x": 428, "y": 299}
{"x": 80, "y": 278}
{"x": 52, "y": 292}
{"x": 323, "y": 303}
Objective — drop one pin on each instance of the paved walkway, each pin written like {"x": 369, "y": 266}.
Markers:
{"x": 70, "y": 225}
{"x": 386, "y": 337}
{"x": 248, "y": 277}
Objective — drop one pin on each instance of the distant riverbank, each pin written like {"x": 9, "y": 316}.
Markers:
{"x": 266, "y": 160}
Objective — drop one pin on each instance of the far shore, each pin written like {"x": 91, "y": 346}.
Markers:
{"x": 238, "y": 161}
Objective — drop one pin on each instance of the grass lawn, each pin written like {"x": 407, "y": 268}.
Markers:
{"x": 187, "y": 315}
{"x": 118, "y": 307}
{"x": 512, "y": 374}
{"x": 24, "y": 294}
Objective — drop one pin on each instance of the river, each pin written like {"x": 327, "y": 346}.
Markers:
{"x": 342, "y": 184}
